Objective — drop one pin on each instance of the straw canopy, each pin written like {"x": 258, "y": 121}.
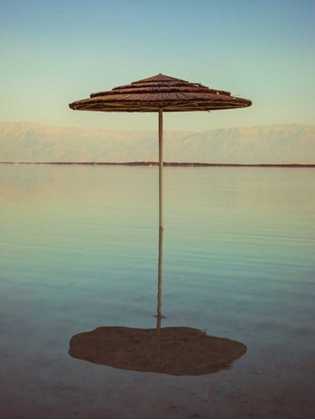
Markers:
{"x": 160, "y": 93}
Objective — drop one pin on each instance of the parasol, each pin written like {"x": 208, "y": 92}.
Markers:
{"x": 160, "y": 94}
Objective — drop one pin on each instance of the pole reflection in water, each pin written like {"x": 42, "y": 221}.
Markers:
{"x": 170, "y": 350}
{"x": 160, "y": 268}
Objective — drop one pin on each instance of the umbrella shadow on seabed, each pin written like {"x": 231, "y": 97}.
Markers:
{"x": 180, "y": 351}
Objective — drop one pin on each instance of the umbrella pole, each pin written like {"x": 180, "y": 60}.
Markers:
{"x": 161, "y": 168}
{"x": 159, "y": 306}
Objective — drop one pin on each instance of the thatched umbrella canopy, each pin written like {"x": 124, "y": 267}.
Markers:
{"x": 173, "y": 350}
{"x": 160, "y": 93}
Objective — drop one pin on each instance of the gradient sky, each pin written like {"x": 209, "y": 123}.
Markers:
{"x": 55, "y": 52}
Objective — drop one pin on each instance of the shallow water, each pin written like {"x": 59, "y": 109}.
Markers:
{"x": 79, "y": 250}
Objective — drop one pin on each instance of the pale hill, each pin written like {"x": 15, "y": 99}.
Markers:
{"x": 275, "y": 144}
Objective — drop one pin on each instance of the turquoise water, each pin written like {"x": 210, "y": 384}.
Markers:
{"x": 79, "y": 250}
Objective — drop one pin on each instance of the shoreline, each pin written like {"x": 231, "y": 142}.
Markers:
{"x": 171, "y": 164}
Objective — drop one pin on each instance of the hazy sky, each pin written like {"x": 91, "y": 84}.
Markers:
{"x": 54, "y": 52}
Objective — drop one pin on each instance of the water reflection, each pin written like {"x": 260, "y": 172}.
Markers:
{"x": 171, "y": 350}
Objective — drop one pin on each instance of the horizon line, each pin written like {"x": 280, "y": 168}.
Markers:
{"x": 174, "y": 164}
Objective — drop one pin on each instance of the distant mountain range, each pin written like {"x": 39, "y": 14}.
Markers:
{"x": 274, "y": 144}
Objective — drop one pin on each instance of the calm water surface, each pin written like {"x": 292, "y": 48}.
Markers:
{"x": 79, "y": 250}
